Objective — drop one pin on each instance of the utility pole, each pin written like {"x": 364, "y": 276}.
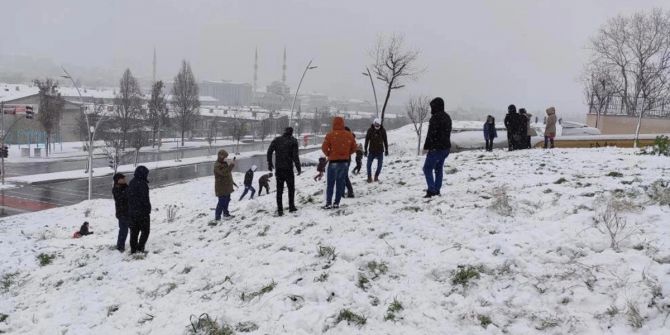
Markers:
{"x": 2, "y": 108}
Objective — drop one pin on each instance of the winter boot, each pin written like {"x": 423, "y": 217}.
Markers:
{"x": 376, "y": 178}
{"x": 369, "y": 180}
{"x": 327, "y": 206}
{"x": 292, "y": 209}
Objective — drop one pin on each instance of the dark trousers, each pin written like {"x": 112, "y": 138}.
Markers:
{"x": 140, "y": 227}
{"x": 246, "y": 189}
{"x": 359, "y": 164}
{"x": 260, "y": 189}
{"x": 347, "y": 183}
{"x": 528, "y": 145}
{"x": 489, "y": 144}
{"x": 222, "y": 207}
{"x": 123, "y": 233}
{"x": 285, "y": 176}
{"x": 435, "y": 164}
{"x": 380, "y": 160}
{"x": 510, "y": 140}
{"x": 548, "y": 139}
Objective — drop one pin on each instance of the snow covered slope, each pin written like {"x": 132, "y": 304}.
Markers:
{"x": 515, "y": 244}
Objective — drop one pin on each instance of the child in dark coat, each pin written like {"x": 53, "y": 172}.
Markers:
{"x": 359, "y": 159}
{"x": 490, "y": 132}
{"x": 320, "y": 168}
{"x": 83, "y": 231}
{"x": 264, "y": 181}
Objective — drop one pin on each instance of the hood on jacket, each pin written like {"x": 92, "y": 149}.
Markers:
{"x": 288, "y": 132}
{"x": 551, "y": 111}
{"x": 253, "y": 168}
{"x": 511, "y": 109}
{"x": 522, "y": 111}
{"x": 117, "y": 176}
{"x": 141, "y": 173}
{"x": 338, "y": 123}
{"x": 376, "y": 121}
{"x": 436, "y": 105}
{"x": 222, "y": 155}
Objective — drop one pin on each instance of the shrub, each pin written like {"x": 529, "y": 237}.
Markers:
{"x": 171, "y": 212}
{"x": 615, "y": 174}
{"x": 265, "y": 289}
{"x": 7, "y": 280}
{"x": 394, "y": 308}
{"x": 608, "y": 221}
{"x": 484, "y": 320}
{"x": 3, "y": 317}
{"x": 246, "y": 327}
{"x": 377, "y": 269}
{"x": 45, "y": 259}
{"x": 659, "y": 192}
{"x": 326, "y": 252}
{"x": 661, "y": 147}
{"x": 501, "y": 201}
{"x": 350, "y": 317}
{"x": 204, "y": 325}
{"x": 464, "y": 275}
{"x": 633, "y": 314}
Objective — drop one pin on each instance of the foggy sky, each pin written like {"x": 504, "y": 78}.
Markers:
{"x": 477, "y": 53}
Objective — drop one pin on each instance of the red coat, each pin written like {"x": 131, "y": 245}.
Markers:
{"x": 339, "y": 143}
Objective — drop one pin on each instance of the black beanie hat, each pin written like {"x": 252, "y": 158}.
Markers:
{"x": 511, "y": 109}
{"x": 288, "y": 131}
{"x": 437, "y": 104}
{"x": 118, "y": 176}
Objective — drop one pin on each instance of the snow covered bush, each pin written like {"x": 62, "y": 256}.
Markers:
{"x": 661, "y": 147}
{"x": 171, "y": 212}
{"x": 501, "y": 201}
{"x": 609, "y": 221}
{"x": 659, "y": 192}
{"x": 204, "y": 325}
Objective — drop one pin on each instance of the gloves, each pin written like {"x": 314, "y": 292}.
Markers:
{"x": 365, "y": 153}
{"x": 299, "y": 172}
{"x": 386, "y": 153}
{"x": 270, "y": 166}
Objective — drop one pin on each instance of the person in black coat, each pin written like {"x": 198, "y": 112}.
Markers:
{"x": 511, "y": 125}
{"x": 264, "y": 182}
{"x": 376, "y": 147}
{"x": 522, "y": 131}
{"x": 139, "y": 209}
{"x": 84, "y": 229}
{"x": 286, "y": 152}
{"x": 436, "y": 146}
{"x": 248, "y": 180}
{"x": 119, "y": 191}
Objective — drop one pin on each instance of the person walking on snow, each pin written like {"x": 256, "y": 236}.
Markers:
{"x": 139, "y": 209}
{"x": 286, "y": 152}
{"x": 264, "y": 182}
{"x": 223, "y": 185}
{"x": 338, "y": 146}
{"x": 119, "y": 191}
{"x": 436, "y": 147}
{"x": 248, "y": 180}
{"x": 550, "y": 127}
{"x": 490, "y": 132}
{"x": 359, "y": 159}
{"x": 376, "y": 146}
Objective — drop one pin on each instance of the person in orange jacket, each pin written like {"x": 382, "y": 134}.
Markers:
{"x": 338, "y": 146}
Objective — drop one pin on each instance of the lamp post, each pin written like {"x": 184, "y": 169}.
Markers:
{"x": 308, "y": 67}
{"x": 91, "y": 132}
{"x": 374, "y": 92}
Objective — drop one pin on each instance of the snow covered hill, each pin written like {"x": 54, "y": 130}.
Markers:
{"x": 518, "y": 243}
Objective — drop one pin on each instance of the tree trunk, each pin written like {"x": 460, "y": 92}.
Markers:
{"x": 153, "y": 139}
{"x": 637, "y": 131}
{"x": 418, "y": 145}
{"x": 137, "y": 154}
{"x": 386, "y": 101}
{"x": 182, "y": 136}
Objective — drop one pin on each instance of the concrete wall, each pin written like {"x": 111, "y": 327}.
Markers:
{"x": 614, "y": 124}
{"x": 68, "y": 130}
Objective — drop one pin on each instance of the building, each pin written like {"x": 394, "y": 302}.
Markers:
{"x": 612, "y": 118}
{"x": 227, "y": 93}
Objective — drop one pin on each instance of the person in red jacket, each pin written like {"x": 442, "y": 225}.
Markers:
{"x": 338, "y": 146}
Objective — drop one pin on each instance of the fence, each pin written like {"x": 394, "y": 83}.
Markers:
{"x": 617, "y": 106}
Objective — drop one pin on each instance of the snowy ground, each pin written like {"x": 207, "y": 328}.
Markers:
{"x": 512, "y": 246}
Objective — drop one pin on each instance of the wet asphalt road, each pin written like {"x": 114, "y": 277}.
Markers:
{"x": 51, "y": 194}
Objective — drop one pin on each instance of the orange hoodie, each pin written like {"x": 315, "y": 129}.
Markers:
{"x": 339, "y": 143}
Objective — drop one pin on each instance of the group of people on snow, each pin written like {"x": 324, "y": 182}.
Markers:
{"x": 519, "y": 129}
{"x": 133, "y": 206}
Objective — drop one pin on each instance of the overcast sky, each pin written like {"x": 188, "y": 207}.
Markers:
{"x": 477, "y": 53}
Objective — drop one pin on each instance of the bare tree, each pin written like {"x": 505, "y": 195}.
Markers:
{"x": 418, "y": 110}
{"x": 265, "y": 129}
{"x": 238, "y": 129}
{"x": 158, "y": 112}
{"x": 185, "y": 99}
{"x": 636, "y": 51}
{"x": 600, "y": 89}
{"x": 139, "y": 137}
{"x": 128, "y": 104}
{"x": 212, "y": 131}
{"x": 393, "y": 65}
{"x": 50, "y": 108}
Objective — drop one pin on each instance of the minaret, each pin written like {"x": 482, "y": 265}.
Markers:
{"x": 255, "y": 71}
{"x": 283, "y": 76}
{"x": 153, "y": 75}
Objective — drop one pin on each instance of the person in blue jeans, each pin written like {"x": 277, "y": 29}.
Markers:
{"x": 436, "y": 147}
{"x": 376, "y": 147}
{"x": 248, "y": 181}
{"x": 223, "y": 184}
{"x": 121, "y": 204}
{"x": 338, "y": 146}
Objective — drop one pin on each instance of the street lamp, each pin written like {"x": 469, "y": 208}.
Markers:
{"x": 367, "y": 74}
{"x": 308, "y": 67}
{"x": 91, "y": 132}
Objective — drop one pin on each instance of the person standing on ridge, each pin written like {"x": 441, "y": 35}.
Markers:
{"x": 511, "y": 126}
{"x": 523, "y": 129}
{"x": 338, "y": 146}
{"x": 490, "y": 132}
{"x": 287, "y": 155}
{"x": 223, "y": 185}
{"x": 375, "y": 147}
{"x": 436, "y": 147}
{"x": 550, "y": 128}
{"x": 119, "y": 191}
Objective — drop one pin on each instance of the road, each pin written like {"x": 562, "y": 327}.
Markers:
{"x": 21, "y": 169}
{"x": 35, "y": 197}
